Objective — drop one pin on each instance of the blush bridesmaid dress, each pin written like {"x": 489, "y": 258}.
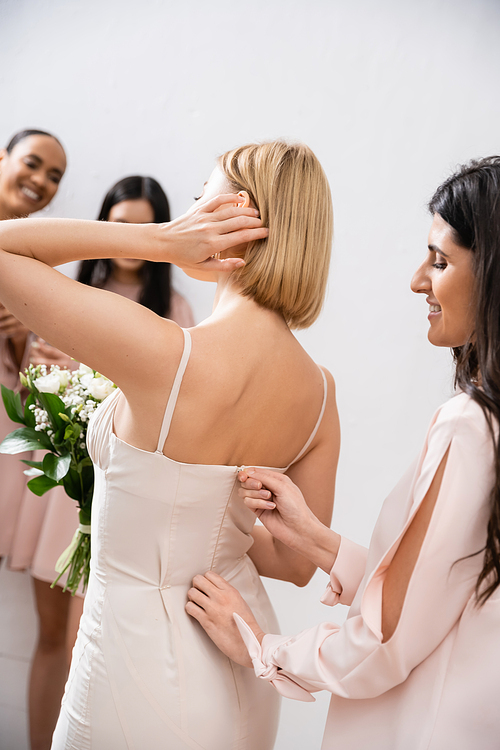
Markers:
{"x": 434, "y": 684}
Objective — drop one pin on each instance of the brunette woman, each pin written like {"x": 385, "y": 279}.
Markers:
{"x": 416, "y": 663}
{"x": 138, "y": 200}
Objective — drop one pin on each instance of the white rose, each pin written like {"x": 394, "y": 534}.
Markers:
{"x": 64, "y": 376}
{"x": 84, "y": 370}
{"x": 48, "y": 383}
{"x": 100, "y": 388}
{"x": 87, "y": 378}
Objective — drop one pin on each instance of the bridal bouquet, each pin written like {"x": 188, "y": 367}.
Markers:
{"x": 55, "y": 418}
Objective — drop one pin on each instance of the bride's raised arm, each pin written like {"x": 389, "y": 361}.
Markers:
{"x": 94, "y": 326}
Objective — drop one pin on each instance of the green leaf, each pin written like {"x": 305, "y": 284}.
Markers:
{"x": 72, "y": 432}
{"x": 58, "y": 440}
{"x": 53, "y": 405}
{"x": 34, "y": 464}
{"x": 13, "y": 406}
{"x": 40, "y": 485}
{"x": 72, "y": 486}
{"x": 29, "y": 417}
{"x": 84, "y": 462}
{"x": 25, "y": 439}
{"x": 84, "y": 517}
{"x": 56, "y": 467}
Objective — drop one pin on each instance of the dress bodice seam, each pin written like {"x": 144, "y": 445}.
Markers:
{"x": 221, "y": 525}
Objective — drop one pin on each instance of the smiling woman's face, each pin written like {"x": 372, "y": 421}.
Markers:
{"x": 446, "y": 277}
{"x": 30, "y": 175}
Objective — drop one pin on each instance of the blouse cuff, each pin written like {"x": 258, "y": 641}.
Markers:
{"x": 346, "y": 574}
{"x": 270, "y": 672}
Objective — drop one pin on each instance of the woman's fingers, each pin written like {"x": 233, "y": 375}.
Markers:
{"x": 197, "y": 612}
{"x": 197, "y": 596}
{"x": 202, "y": 583}
{"x": 255, "y": 494}
{"x": 227, "y": 264}
{"x": 257, "y": 500}
{"x": 235, "y": 237}
{"x": 233, "y": 222}
{"x": 210, "y": 582}
{"x": 223, "y": 200}
{"x": 217, "y": 580}
{"x": 258, "y": 505}
{"x": 211, "y": 228}
{"x": 225, "y": 213}
{"x": 271, "y": 480}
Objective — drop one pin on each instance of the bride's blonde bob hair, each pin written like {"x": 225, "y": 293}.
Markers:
{"x": 287, "y": 271}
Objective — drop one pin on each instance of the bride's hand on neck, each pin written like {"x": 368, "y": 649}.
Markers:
{"x": 200, "y": 241}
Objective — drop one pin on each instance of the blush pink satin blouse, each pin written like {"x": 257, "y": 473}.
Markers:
{"x": 435, "y": 683}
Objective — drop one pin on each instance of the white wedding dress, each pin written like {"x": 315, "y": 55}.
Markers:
{"x": 144, "y": 675}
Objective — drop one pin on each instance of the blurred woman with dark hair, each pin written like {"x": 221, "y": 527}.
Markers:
{"x": 138, "y": 200}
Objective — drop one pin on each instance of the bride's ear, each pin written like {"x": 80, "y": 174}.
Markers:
{"x": 243, "y": 199}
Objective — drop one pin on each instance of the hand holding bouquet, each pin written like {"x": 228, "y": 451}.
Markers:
{"x": 55, "y": 418}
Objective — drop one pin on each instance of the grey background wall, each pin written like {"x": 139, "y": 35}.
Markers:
{"x": 390, "y": 94}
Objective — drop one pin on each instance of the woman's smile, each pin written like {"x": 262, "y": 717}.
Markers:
{"x": 434, "y": 309}
{"x": 31, "y": 194}
{"x": 446, "y": 276}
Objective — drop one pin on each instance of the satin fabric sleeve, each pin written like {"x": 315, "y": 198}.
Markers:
{"x": 351, "y": 661}
{"x": 346, "y": 574}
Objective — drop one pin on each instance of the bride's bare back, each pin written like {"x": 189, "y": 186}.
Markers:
{"x": 250, "y": 395}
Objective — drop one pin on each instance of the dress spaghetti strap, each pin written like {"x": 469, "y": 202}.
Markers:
{"x": 316, "y": 427}
{"x": 174, "y": 393}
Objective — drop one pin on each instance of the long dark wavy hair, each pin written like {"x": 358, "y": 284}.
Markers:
{"x": 469, "y": 201}
{"x": 155, "y": 277}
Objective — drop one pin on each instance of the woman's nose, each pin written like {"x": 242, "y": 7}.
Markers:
{"x": 39, "y": 178}
{"x": 420, "y": 282}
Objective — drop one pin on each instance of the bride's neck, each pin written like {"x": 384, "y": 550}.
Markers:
{"x": 230, "y": 304}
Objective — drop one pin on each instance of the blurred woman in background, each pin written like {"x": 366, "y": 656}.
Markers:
{"x": 138, "y": 200}
{"x": 31, "y": 168}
